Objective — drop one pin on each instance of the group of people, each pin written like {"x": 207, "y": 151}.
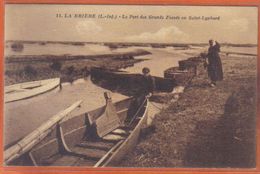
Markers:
{"x": 147, "y": 83}
{"x": 212, "y": 63}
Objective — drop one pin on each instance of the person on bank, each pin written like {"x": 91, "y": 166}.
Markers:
{"x": 145, "y": 88}
{"x": 214, "y": 64}
{"x": 147, "y": 83}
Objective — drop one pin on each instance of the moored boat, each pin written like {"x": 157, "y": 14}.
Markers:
{"x": 74, "y": 141}
{"x": 29, "y": 89}
{"x": 181, "y": 77}
{"x": 186, "y": 71}
{"x": 127, "y": 83}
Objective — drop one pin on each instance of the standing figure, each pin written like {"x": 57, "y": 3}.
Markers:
{"x": 147, "y": 83}
{"x": 215, "y": 71}
{"x": 146, "y": 87}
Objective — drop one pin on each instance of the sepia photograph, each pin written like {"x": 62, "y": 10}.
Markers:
{"x": 130, "y": 86}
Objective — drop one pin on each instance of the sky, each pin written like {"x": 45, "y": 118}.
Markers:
{"x": 186, "y": 25}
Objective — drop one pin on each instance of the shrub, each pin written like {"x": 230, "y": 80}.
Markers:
{"x": 85, "y": 71}
{"x": 8, "y": 72}
{"x": 70, "y": 70}
{"x": 29, "y": 70}
{"x": 56, "y": 65}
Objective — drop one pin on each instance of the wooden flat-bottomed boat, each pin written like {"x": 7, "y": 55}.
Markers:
{"x": 187, "y": 69}
{"x": 73, "y": 141}
{"x": 181, "y": 77}
{"x": 127, "y": 83}
{"x": 29, "y": 89}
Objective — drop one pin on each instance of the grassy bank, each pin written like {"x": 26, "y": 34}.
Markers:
{"x": 29, "y": 68}
{"x": 206, "y": 127}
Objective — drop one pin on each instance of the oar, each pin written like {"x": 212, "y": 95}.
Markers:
{"x": 141, "y": 106}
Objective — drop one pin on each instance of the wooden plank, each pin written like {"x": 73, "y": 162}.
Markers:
{"x": 111, "y": 137}
{"x": 86, "y": 162}
{"x": 40, "y": 154}
{"x": 120, "y": 108}
{"x": 103, "y": 159}
{"x": 73, "y": 130}
{"x": 108, "y": 121}
{"x": 70, "y": 124}
{"x": 95, "y": 114}
{"x": 122, "y": 114}
{"x": 37, "y": 135}
{"x": 96, "y": 145}
{"x": 66, "y": 160}
{"x": 120, "y": 131}
{"x": 90, "y": 153}
{"x": 74, "y": 137}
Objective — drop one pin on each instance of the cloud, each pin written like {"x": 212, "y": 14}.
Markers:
{"x": 166, "y": 34}
{"x": 88, "y": 27}
{"x": 240, "y": 25}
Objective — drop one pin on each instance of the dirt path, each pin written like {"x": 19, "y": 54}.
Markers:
{"x": 206, "y": 127}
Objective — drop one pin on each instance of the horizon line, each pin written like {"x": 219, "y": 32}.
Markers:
{"x": 184, "y": 43}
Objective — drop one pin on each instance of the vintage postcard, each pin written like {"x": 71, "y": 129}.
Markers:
{"x": 130, "y": 86}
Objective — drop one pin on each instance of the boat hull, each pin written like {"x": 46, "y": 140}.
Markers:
{"x": 127, "y": 83}
{"x": 72, "y": 141}
{"x": 29, "y": 89}
{"x": 129, "y": 143}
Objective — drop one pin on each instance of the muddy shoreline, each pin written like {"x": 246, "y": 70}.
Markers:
{"x": 206, "y": 127}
